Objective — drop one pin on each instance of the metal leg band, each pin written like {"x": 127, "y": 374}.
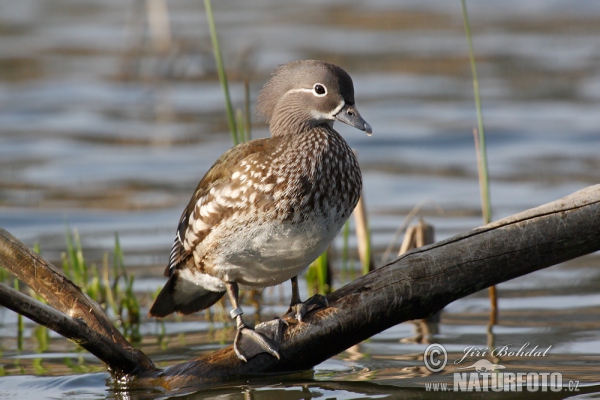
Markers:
{"x": 235, "y": 312}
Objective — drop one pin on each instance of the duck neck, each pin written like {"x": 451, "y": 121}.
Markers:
{"x": 290, "y": 118}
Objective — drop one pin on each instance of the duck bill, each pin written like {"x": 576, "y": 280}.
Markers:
{"x": 350, "y": 115}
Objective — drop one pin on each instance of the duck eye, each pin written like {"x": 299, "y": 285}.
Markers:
{"x": 319, "y": 89}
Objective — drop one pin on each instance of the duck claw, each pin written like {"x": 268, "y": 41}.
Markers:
{"x": 265, "y": 338}
{"x": 316, "y": 302}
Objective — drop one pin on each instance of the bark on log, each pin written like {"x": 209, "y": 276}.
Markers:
{"x": 74, "y": 329}
{"x": 417, "y": 284}
{"x": 62, "y": 294}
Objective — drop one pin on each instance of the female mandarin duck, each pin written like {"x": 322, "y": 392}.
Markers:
{"x": 269, "y": 207}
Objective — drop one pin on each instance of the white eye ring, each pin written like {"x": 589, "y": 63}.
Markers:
{"x": 319, "y": 90}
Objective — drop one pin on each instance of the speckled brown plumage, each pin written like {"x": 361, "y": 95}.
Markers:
{"x": 267, "y": 208}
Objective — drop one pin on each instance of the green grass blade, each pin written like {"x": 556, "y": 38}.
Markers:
{"x": 42, "y": 335}
{"x": 247, "y": 122}
{"x": 80, "y": 260}
{"x": 345, "y": 250}
{"x": 482, "y": 165}
{"x": 241, "y": 126}
{"x": 485, "y": 187}
{"x": 68, "y": 259}
{"x": 20, "y": 322}
{"x": 118, "y": 268}
{"x": 221, "y": 71}
{"x": 110, "y": 298}
{"x": 322, "y": 273}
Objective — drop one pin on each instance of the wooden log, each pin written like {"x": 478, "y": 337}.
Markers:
{"x": 62, "y": 294}
{"x": 415, "y": 285}
{"x": 73, "y": 329}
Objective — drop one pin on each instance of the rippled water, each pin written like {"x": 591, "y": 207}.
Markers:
{"x": 104, "y": 129}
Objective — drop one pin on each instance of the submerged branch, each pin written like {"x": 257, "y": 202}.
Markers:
{"x": 66, "y": 297}
{"x": 73, "y": 329}
{"x": 418, "y": 284}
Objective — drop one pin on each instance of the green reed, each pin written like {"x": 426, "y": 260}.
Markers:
{"x": 482, "y": 165}
{"x": 20, "y": 322}
{"x": 481, "y": 148}
{"x": 345, "y": 250}
{"x": 113, "y": 291}
{"x": 124, "y": 297}
{"x": 231, "y": 120}
{"x": 317, "y": 275}
{"x": 247, "y": 120}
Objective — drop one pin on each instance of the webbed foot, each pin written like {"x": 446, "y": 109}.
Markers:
{"x": 249, "y": 343}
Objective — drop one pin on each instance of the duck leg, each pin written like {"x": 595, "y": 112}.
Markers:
{"x": 299, "y": 308}
{"x": 248, "y": 342}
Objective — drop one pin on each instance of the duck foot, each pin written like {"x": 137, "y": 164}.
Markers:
{"x": 265, "y": 338}
{"x": 248, "y": 342}
{"x": 272, "y": 329}
{"x": 300, "y": 309}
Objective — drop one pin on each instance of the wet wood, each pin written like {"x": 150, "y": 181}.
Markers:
{"x": 62, "y": 294}
{"x": 73, "y": 329}
{"x": 414, "y": 286}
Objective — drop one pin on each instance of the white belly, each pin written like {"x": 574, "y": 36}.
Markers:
{"x": 269, "y": 254}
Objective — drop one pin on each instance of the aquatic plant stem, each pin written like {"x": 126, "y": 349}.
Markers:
{"x": 221, "y": 71}
{"x": 247, "y": 121}
{"x": 482, "y": 167}
{"x": 485, "y": 188}
{"x": 492, "y": 289}
{"x": 345, "y": 250}
{"x": 363, "y": 236}
{"x": 20, "y": 323}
